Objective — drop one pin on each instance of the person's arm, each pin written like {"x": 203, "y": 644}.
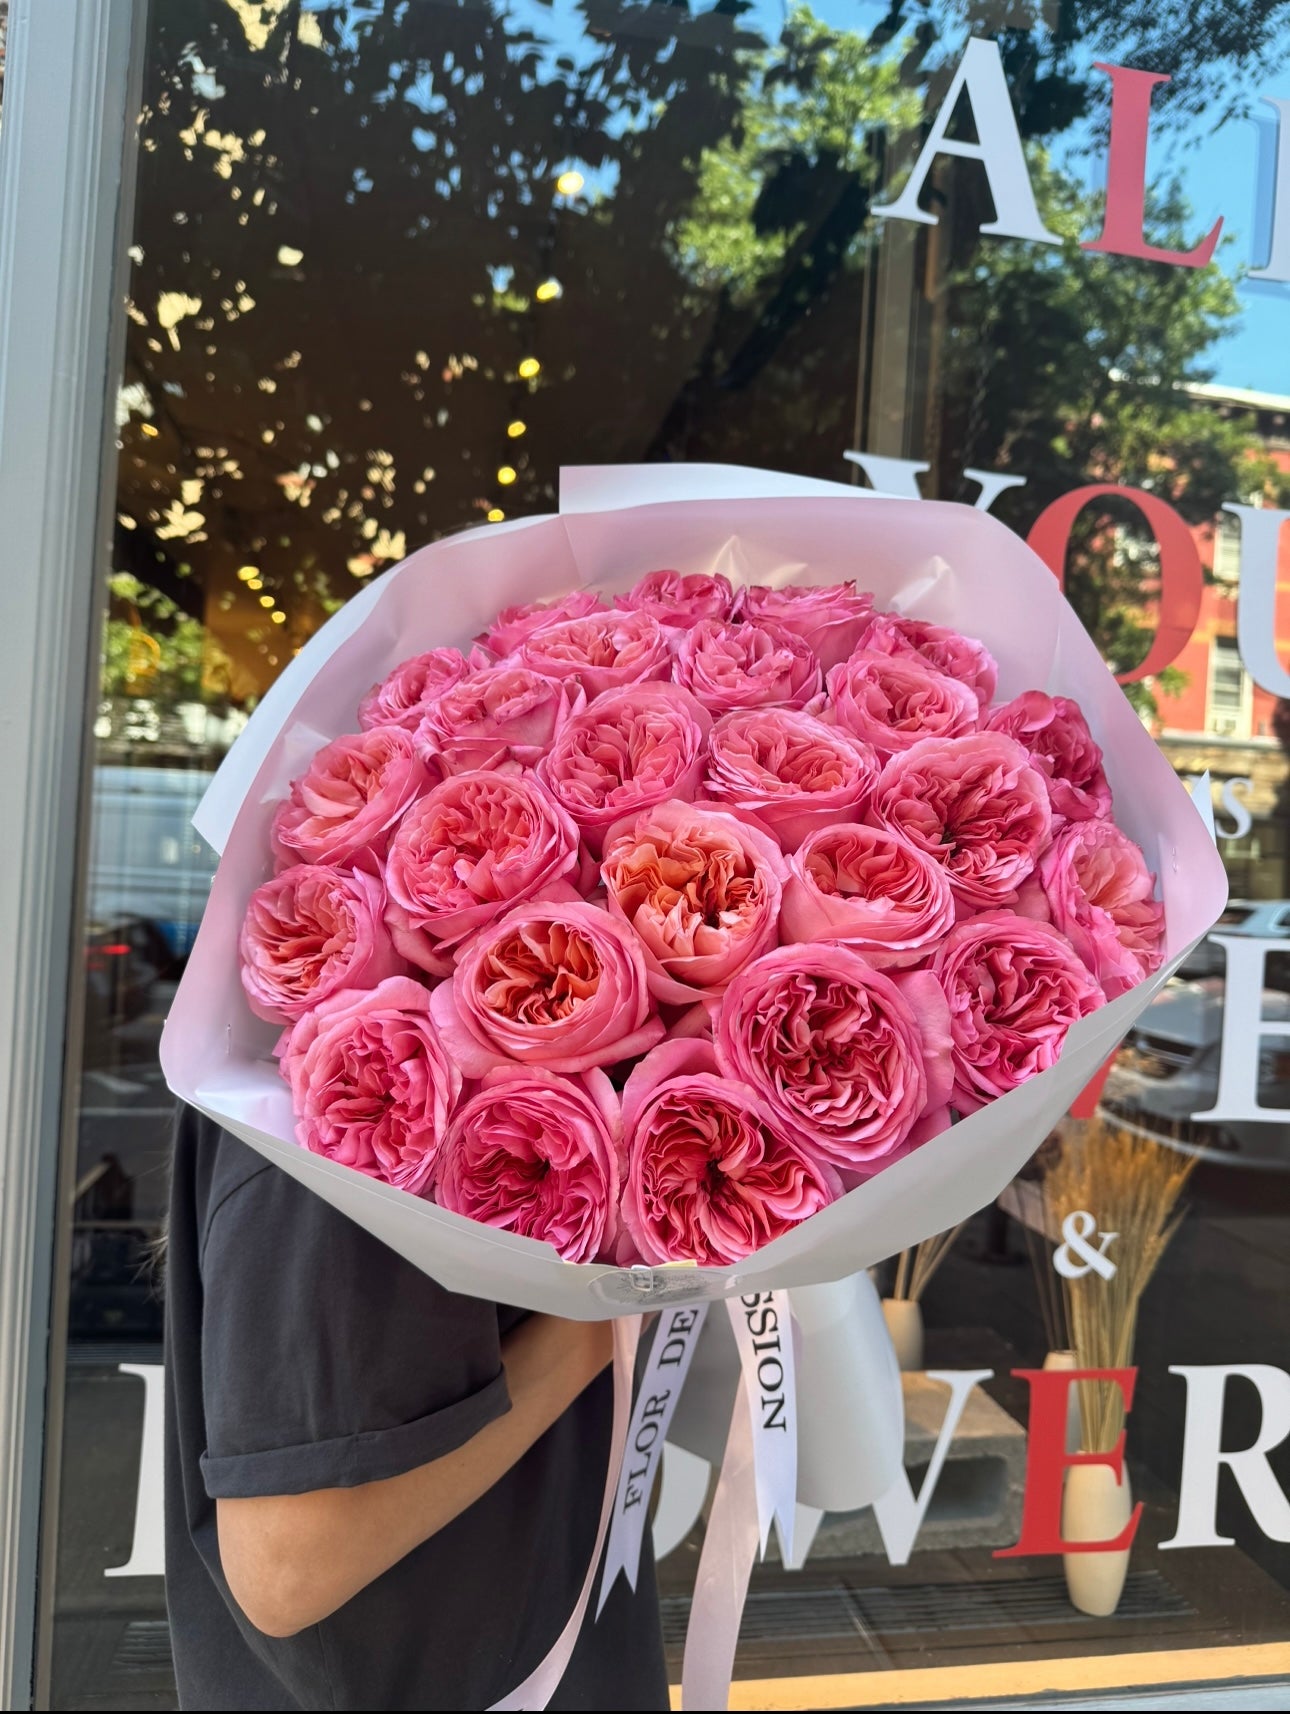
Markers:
{"x": 292, "y": 1559}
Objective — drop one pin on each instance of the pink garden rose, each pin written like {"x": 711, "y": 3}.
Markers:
{"x": 537, "y": 1154}
{"x": 402, "y": 698}
{"x": 828, "y": 617}
{"x": 891, "y": 701}
{"x": 343, "y": 808}
{"x": 497, "y": 715}
{"x": 793, "y": 772}
{"x": 975, "y": 805}
{"x": 465, "y": 853}
{"x": 513, "y": 624}
{"x": 869, "y": 889}
{"x": 680, "y": 601}
{"x": 956, "y": 656}
{"x": 1055, "y": 732}
{"x": 371, "y": 1083}
{"x": 746, "y": 666}
{"x": 604, "y": 651}
{"x": 1101, "y": 895}
{"x": 551, "y": 984}
{"x": 844, "y": 1056}
{"x": 1014, "y": 986}
{"x": 712, "y": 1173}
{"x": 308, "y": 933}
{"x": 630, "y": 749}
{"x": 701, "y": 891}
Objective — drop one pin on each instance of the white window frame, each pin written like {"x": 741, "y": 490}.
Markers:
{"x": 64, "y": 149}
{"x": 1244, "y": 717}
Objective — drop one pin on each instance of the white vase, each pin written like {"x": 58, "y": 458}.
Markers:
{"x": 1095, "y": 1507}
{"x": 904, "y": 1320}
{"x": 1067, "y": 1360}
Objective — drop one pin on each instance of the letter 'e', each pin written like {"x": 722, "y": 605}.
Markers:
{"x": 1047, "y": 1461}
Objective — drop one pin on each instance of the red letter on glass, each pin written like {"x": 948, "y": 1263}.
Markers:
{"x": 1126, "y": 174}
{"x": 1047, "y": 1462}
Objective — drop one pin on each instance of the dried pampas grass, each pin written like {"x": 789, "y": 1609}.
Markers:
{"x": 914, "y": 1268}
{"x": 1130, "y": 1185}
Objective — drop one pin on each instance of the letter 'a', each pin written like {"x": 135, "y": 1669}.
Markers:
{"x": 998, "y": 149}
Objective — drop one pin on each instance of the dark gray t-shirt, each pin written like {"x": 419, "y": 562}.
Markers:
{"x": 302, "y": 1353}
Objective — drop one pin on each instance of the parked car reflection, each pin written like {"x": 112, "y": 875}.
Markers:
{"x": 1167, "y": 1071}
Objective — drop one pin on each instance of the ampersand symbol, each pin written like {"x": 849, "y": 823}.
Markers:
{"x": 1074, "y": 1258}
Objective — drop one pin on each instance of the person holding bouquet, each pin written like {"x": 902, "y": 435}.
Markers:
{"x": 379, "y": 1494}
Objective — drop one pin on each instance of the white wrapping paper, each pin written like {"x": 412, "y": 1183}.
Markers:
{"x": 950, "y": 564}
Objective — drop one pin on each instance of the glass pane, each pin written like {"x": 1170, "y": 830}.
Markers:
{"x": 395, "y": 265}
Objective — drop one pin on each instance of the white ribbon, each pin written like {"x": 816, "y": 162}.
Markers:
{"x": 763, "y": 1325}
{"x": 660, "y": 1389}
{"x": 540, "y": 1685}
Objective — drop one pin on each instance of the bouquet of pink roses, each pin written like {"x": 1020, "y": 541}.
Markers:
{"x": 602, "y": 936}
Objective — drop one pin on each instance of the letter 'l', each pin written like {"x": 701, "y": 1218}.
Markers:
{"x": 1126, "y": 174}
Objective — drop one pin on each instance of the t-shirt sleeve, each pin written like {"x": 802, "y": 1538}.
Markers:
{"x": 327, "y": 1360}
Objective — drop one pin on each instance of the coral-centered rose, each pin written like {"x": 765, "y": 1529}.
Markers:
{"x": 465, "y": 853}
{"x": 828, "y": 617}
{"x": 956, "y": 656}
{"x": 537, "y": 1154}
{"x": 976, "y": 805}
{"x": 372, "y": 1084}
{"x": 604, "y": 651}
{"x": 846, "y": 1057}
{"x": 402, "y": 698}
{"x": 1055, "y": 732}
{"x": 1014, "y": 987}
{"x": 730, "y": 666}
{"x": 310, "y": 932}
{"x": 891, "y": 701}
{"x": 497, "y": 715}
{"x": 870, "y": 889}
{"x": 629, "y": 750}
{"x": 1101, "y": 895}
{"x": 343, "y": 808}
{"x": 701, "y": 891}
{"x": 513, "y": 624}
{"x": 712, "y": 1173}
{"x": 556, "y": 984}
{"x": 678, "y": 600}
{"x": 793, "y": 772}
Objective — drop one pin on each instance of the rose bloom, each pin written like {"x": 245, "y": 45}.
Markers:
{"x": 371, "y": 1083}
{"x": 497, "y": 715}
{"x": 891, "y": 701}
{"x": 402, "y": 698}
{"x": 1101, "y": 895}
{"x": 712, "y": 1173}
{"x": 843, "y": 1055}
{"x": 308, "y": 933}
{"x": 828, "y": 617}
{"x": 556, "y": 984}
{"x": 473, "y": 847}
{"x": 950, "y": 653}
{"x": 604, "y": 651}
{"x": 793, "y": 772}
{"x": 343, "y": 808}
{"x": 513, "y": 624}
{"x": 1014, "y": 986}
{"x": 627, "y": 751}
{"x": 746, "y": 666}
{"x": 869, "y": 889}
{"x": 678, "y": 600}
{"x": 537, "y": 1154}
{"x": 1055, "y": 732}
{"x": 975, "y": 805}
{"x": 701, "y": 891}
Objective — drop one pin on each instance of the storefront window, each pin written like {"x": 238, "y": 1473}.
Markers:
{"x": 393, "y": 266}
